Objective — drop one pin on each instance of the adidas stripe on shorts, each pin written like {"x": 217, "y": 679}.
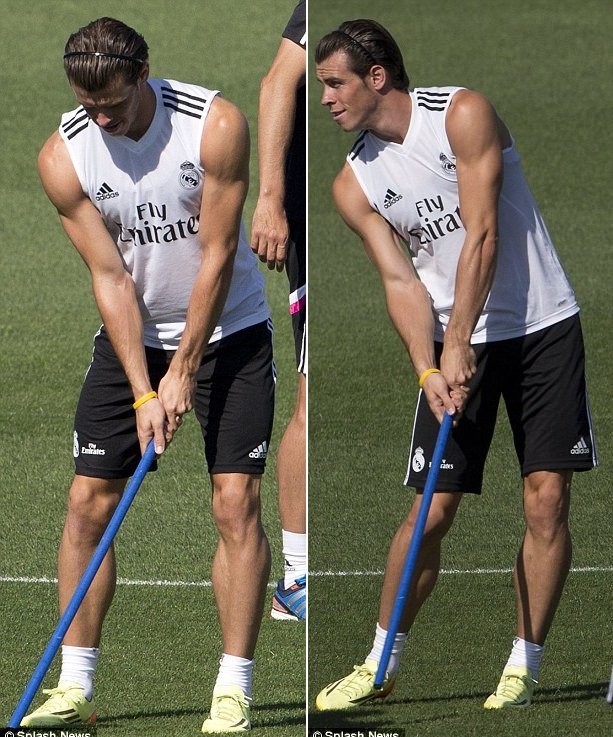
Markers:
{"x": 541, "y": 378}
{"x": 234, "y": 404}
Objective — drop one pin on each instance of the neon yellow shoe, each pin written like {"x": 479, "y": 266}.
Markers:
{"x": 355, "y": 689}
{"x": 515, "y": 689}
{"x": 66, "y": 705}
{"x": 230, "y": 711}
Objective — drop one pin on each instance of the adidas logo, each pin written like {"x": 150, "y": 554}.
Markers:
{"x": 580, "y": 448}
{"x": 260, "y": 452}
{"x": 105, "y": 193}
{"x": 391, "y": 198}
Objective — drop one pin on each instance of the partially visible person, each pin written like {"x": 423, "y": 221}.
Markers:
{"x": 278, "y": 237}
{"x": 149, "y": 178}
{"x": 474, "y": 287}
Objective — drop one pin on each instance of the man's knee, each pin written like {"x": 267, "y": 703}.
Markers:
{"x": 300, "y": 409}
{"x": 91, "y": 504}
{"x": 236, "y": 504}
{"x": 441, "y": 514}
{"x": 547, "y": 502}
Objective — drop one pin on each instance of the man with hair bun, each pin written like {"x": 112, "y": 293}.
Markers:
{"x": 434, "y": 188}
{"x": 149, "y": 178}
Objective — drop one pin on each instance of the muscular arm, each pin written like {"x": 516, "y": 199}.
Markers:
{"x": 113, "y": 286}
{"x": 225, "y": 158}
{"x": 277, "y": 109}
{"x": 408, "y": 302}
{"x": 476, "y": 138}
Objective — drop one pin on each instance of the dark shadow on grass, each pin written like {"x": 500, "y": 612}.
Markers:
{"x": 202, "y": 711}
{"x": 575, "y": 692}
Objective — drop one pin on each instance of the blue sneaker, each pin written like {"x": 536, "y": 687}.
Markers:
{"x": 290, "y": 603}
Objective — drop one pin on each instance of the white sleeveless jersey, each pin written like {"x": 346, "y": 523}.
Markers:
{"x": 413, "y": 185}
{"x": 149, "y": 193}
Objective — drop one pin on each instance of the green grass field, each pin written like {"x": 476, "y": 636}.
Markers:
{"x": 162, "y": 642}
{"x": 547, "y": 68}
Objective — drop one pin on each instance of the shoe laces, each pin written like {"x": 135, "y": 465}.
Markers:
{"x": 512, "y": 684}
{"x": 354, "y": 685}
{"x": 57, "y": 695}
{"x": 225, "y": 707}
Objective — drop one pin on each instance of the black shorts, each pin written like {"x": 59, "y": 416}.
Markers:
{"x": 542, "y": 380}
{"x": 234, "y": 404}
{"x": 295, "y": 267}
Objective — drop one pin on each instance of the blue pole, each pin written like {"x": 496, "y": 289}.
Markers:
{"x": 413, "y": 551}
{"x": 83, "y": 586}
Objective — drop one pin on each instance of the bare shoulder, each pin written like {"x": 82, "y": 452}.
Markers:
{"x": 355, "y": 209}
{"x": 225, "y": 139}
{"x": 52, "y": 152}
{"x": 346, "y": 186}
{"x": 57, "y": 173}
{"x": 472, "y": 117}
{"x": 225, "y": 118}
{"x": 467, "y": 107}
{"x": 349, "y": 198}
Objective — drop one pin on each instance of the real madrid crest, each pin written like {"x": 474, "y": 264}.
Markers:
{"x": 447, "y": 164}
{"x": 418, "y": 459}
{"x": 189, "y": 178}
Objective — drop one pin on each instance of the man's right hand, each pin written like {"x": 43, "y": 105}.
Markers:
{"x": 269, "y": 234}
{"x": 442, "y": 398}
{"x": 151, "y": 422}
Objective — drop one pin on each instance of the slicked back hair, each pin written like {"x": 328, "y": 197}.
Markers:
{"x": 366, "y": 43}
{"x": 103, "y": 50}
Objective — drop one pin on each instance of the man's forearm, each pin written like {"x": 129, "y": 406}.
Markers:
{"x": 275, "y": 124}
{"x": 206, "y": 305}
{"x": 474, "y": 277}
{"x": 410, "y": 311}
{"x": 118, "y": 307}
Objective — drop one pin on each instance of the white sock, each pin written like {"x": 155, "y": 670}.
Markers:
{"x": 78, "y": 666}
{"x": 397, "y": 648}
{"x": 295, "y": 553}
{"x": 235, "y": 671}
{"x": 527, "y": 655}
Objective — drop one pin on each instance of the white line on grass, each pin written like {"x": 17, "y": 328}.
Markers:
{"x": 454, "y": 571}
{"x": 121, "y": 581}
{"x": 313, "y": 574}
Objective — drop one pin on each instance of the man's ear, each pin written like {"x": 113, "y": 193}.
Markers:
{"x": 377, "y": 76}
{"x": 143, "y": 75}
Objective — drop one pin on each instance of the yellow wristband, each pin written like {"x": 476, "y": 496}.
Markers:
{"x": 425, "y": 375}
{"x": 144, "y": 398}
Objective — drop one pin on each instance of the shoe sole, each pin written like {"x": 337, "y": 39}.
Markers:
{"x": 227, "y": 730}
{"x": 508, "y": 705}
{"x": 40, "y": 722}
{"x": 352, "y": 705}
{"x": 284, "y": 616}
{"x": 281, "y": 612}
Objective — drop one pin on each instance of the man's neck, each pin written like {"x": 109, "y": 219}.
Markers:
{"x": 146, "y": 113}
{"x": 394, "y": 117}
